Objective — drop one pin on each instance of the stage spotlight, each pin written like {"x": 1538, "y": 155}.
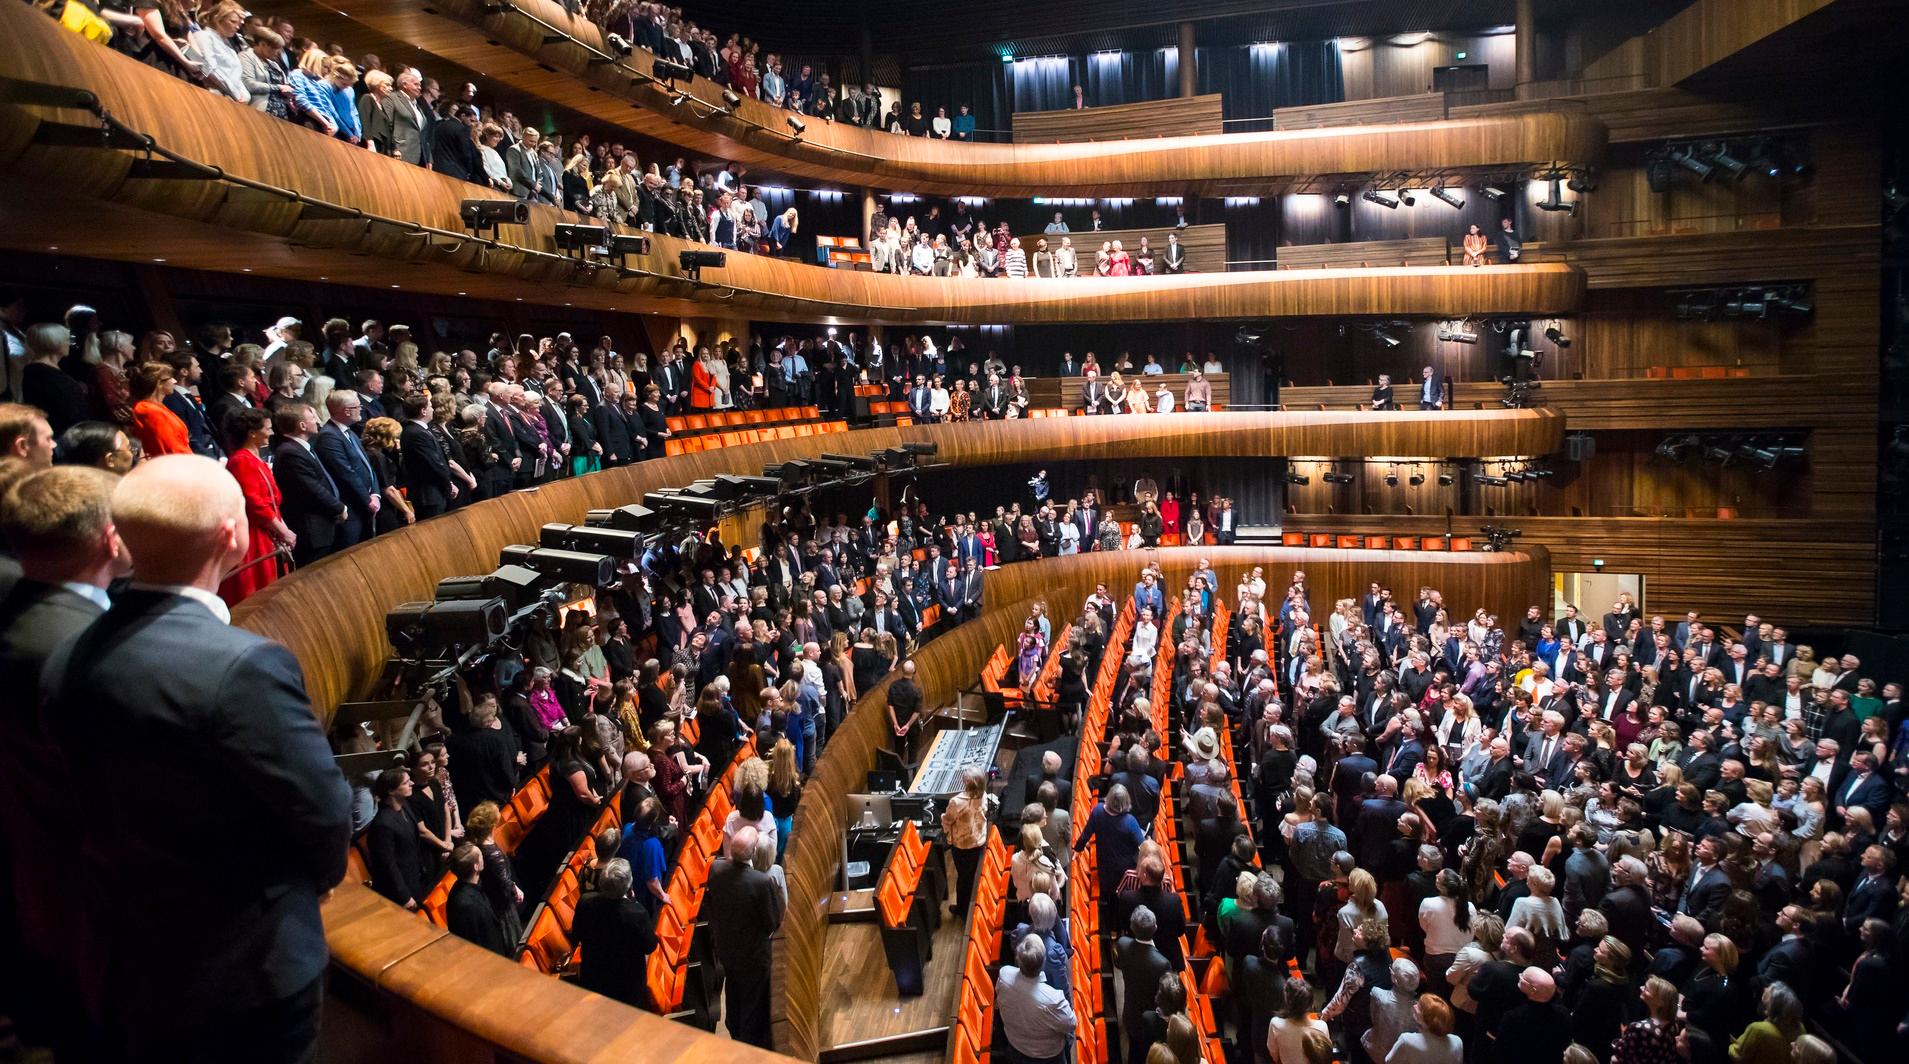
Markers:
{"x": 1337, "y": 478}
{"x": 1556, "y": 336}
{"x": 1341, "y": 200}
{"x": 1445, "y": 480}
{"x": 1392, "y": 477}
{"x": 853, "y": 461}
{"x": 693, "y": 262}
{"x": 618, "y": 44}
{"x": 1732, "y": 167}
{"x": 1444, "y": 195}
{"x": 1718, "y": 454}
{"x": 1489, "y": 481}
{"x": 591, "y": 568}
{"x": 798, "y": 125}
{"x": 489, "y": 214}
{"x": 623, "y": 244}
{"x": 1373, "y": 195}
{"x": 625, "y": 518}
{"x": 1657, "y": 172}
{"x": 429, "y": 629}
{"x": 1417, "y": 477}
{"x": 1298, "y": 478}
{"x": 731, "y": 100}
{"x": 580, "y": 237}
{"x": 1406, "y": 197}
{"x": 1555, "y": 201}
{"x": 1456, "y": 333}
{"x": 1385, "y": 339}
{"x": 921, "y": 448}
{"x": 585, "y": 538}
{"x": 1581, "y": 183}
{"x": 1493, "y": 193}
{"x": 669, "y": 70}
{"x": 1687, "y": 159}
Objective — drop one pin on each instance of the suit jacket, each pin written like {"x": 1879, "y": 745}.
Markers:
{"x": 35, "y": 819}
{"x": 1141, "y": 964}
{"x": 1788, "y": 961}
{"x": 1705, "y": 899}
{"x": 427, "y": 473}
{"x": 205, "y": 440}
{"x": 343, "y": 457}
{"x": 1377, "y": 827}
{"x": 406, "y": 120}
{"x": 1495, "y": 781}
{"x": 231, "y": 925}
{"x": 527, "y": 175}
{"x": 453, "y": 153}
{"x": 1869, "y": 897}
{"x": 745, "y": 908}
{"x": 308, "y": 498}
{"x": 1872, "y": 794}
{"x": 613, "y": 431}
{"x": 1553, "y": 769}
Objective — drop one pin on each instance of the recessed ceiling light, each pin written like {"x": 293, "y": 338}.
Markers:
{"x": 461, "y": 293}
{"x": 159, "y": 260}
{"x": 394, "y": 286}
{"x": 245, "y": 269}
{"x": 54, "y": 248}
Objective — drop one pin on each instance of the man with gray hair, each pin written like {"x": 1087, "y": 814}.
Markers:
{"x": 744, "y": 910}
{"x": 617, "y": 936}
{"x": 1627, "y": 907}
{"x": 1141, "y": 964}
{"x": 1392, "y": 1010}
{"x": 1043, "y": 916}
{"x": 1037, "y": 1018}
{"x": 44, "y": 384}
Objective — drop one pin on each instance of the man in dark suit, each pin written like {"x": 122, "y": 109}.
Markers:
{"x": 406, "y": 117}
{"x": 617, "y": 937}
{"x": 308, "y": 497}
{"x": 615, "y": 433}
{"x": 427, "y": 473}
{"x": 1406, "y": 755}
{"x": 1874, "y": 894}
{"x": 1545, "y": 754}
{"x": 1627, "y": 908}
{"x": 234, "y": 928}
{"x": 1431, "y": 390}
{"x": 467, "y": 912}
{"x": 1378, "y": 823}
{"x": 453, "y": 152}
{"x": 1169, "y": 911}
{"x": 343, "y": 456}
{"x": 1864, "y": 787}
{"x": 971, "y": 590}
{"x": 1495, "y": 781}
{"x": 184, "y": 401}
{"x": 1141, "y": 964}
{"x": 1790, "y": 960}
{"x": 1570, "y": 627}
{"x": 1141, "y": 785}
{"x": 1709, "y": 885}
{"x": 1347, "y": 781}
{"x": 948, "y": 590}
{"x": 60, "y": 528}
{"x": 994, "y": 399}
{"x": 744, "y": 908}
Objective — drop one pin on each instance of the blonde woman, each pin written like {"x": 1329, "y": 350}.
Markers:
{"x": 781, "y": 233}
{"x": 1032, "y": 856}
{"x": 964, "y": 821}
{"x": 1137, "y": 400}
{"x": 605, "y": 199}
{"x": 1361, "y": 906}
{"x": 372, "y": 117}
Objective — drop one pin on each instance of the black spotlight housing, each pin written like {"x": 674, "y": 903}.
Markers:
{"x": 798, "y": 125}
{"x": 921, "y": 448}
{"x": 578, "y": 237}
{"x": 625, "y": 244}
{"x": 1373, "y": 195}
{"x": 618, "y": 44}
{"x": 630, "y": 518}
{"x": 670, "y": 70}
{"x": 731, "y": 100}
{"x": 487, "y": 214}
{"x": 1446, "y": 196}
{"x": 570, "y": 566}
{"x": 587, "y": 539}
{"x": 693, "y": 262}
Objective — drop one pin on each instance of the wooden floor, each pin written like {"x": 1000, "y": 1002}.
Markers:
{"x": 859, "y": 1001}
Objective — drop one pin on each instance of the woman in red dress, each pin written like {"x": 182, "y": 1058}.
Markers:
{"x": 245, "y": 432}
{"x": 159, "y": 430}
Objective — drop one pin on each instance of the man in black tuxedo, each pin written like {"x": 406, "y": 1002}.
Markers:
{"x": 343, "y": 456}
{"x": 617, "y": 937}
{"x": 1627, "y": 907}
{"x": 994, "y": 399}
{"x": 971, "y": 591}
{"x": 233, "y": 927}
{"x": 1378, "y": 822}
{"x": 1093, "y": 394}
{"x": 309, "y": 499}
{"x": 427, "y": 473}
{"x": 453, "y": 151}
{"x": 59, "y": 525}
{"x": 744, "y": 908}
{"x": 1570, "y": 627}
{"x": 1347, "y": 781}
{"x": 616, "y": 434}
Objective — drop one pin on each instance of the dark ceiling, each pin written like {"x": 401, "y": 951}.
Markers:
{"x": 924, "y": 32}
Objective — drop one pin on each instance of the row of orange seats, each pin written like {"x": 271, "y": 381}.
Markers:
{"x": 717, "y": 441}
{"x": 901, "y": 877}
{"x": 547, "y": 945}
{"x": 1374, "y": 541}
{"x": 513, "y": 823}
{"x": 676, "y": 921}
{"x": 684, "y": 424}
{"x": 996, "y": 671}
{"x": 973, "y": 1035}
{"x": 1083, "y": 905}
{"x": 1050, "y": 675}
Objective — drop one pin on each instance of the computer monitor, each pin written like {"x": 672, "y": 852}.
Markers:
{"x": 854, "y": 804}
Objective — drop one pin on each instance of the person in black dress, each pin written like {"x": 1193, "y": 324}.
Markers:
{"x": 1382, "y": 394}
{"x": 655, "y": 424}
{"x": 397, "y": 858}
{"x": 498, "y": 877}
{"x": 575, "y": 789}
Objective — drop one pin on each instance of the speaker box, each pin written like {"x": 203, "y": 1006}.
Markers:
{"x": 1580, "y": 448}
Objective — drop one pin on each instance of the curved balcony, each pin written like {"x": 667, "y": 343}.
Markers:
{"x": 212, "y": 185}
{"x": 536, "y": 47}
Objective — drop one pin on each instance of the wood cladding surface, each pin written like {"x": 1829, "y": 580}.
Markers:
{"x": 511, "y": 46}
{"x": 1418, "y": 107}
{"x": 1178, "y": 116}
{"x": 200, "y": 222}
{"x": 1503, "y": 582}
{"x": 1417, "y": 251}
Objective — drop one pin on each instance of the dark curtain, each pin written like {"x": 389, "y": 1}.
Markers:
{"x": 1252, "y": 233}
{"x": 1044, "y": 83}
{"x": 982, "y": 86}
{"x": 1111, "y": 78}
{"x": 1257, "y": 78}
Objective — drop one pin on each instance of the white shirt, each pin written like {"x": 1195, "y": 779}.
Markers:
{"x": 91, "y": 592}
{"x": 1163, "y": 402}
{"x": 210, "y": 601}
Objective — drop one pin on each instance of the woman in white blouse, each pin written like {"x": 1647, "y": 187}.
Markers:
{"x": 938, "y": 400}
{"x": 1539, "y": 912}
{"x": 1146, "y": 637}
{"x": 1030, "y": 858}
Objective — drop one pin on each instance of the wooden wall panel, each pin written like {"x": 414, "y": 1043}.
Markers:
{"x": 1189, "y": 116}
{"x": 1788, "y": 572}
{"x": 756, "y": 135}
{"x": 1401, "y": 65}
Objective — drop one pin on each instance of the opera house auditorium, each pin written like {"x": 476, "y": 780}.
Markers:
{"x": 1280, "y": 532}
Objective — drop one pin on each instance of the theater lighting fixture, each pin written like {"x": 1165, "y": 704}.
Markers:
{"x": 617, "y": 543}
{"x": 1298, "y": 478}
{"x": 1407, "y": 197}
{"x": 668, "y": 70}
{"x": 1732, "y": 167}
{"x": 1385, "y": 339}
{"x": 489, "y": 214}
{"x": 1417, "y": 477}
{"x": 693, "y": 262}
{"x": 1456, "y": 333}
{"x": 572, "y": 567}
{"x": 1341, "y": 200}
{"x": 1392, "y": 477}
{"x": 1687, "y": 158}
{"x": 1556, "y": 335}
{"x": 1337, "y": 478}
{"x": 1582, "y": 182}
{"x": 797, "y": 124}
{"x": 1445, "y": 196}
{"x": 618, "y": 44}
{"x": 580, "y": 237}
{"x": 1373, "y": 195}
{"x": 1445, "y": 480}
{"x": 731, "y": 100}
{"x": 1657, "y": 172}
{"x": 1555, "y": 201}
{"x": 623, "y": 244}
{"x": 1493, "y": 193}
{"x": 1489, "y": 481}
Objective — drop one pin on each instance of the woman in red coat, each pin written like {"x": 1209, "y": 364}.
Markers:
{"x": 245, "y": 432}
{"x": 159, "y": 430}
{"x": 702, "y": 383}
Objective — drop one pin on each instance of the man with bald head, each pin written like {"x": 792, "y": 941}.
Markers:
{"x": 59, "y": 525}
{"x": 744, "y": 908}
{"x": 1540, "y": 1027}
{"x": 192, "y": 717}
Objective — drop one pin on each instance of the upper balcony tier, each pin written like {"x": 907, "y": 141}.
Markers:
{"x": 534, "y": 47}
{"x": 175, "y": 174}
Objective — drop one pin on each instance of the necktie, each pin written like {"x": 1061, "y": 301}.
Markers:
{"x": 358, "y": 452}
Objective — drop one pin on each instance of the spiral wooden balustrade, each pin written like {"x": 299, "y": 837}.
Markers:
{"x": 193, "y": 180}
{"x": 538, "y": 49}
